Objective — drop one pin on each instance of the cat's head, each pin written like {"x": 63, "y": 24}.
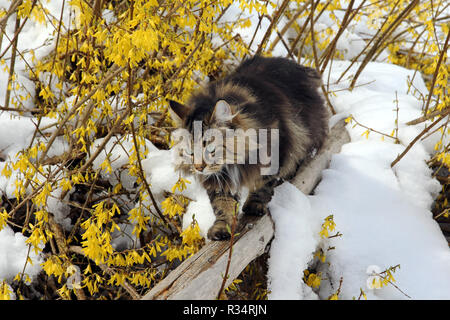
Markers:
{"x": 201, "y": 142}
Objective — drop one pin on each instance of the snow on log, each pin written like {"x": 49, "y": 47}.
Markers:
{"x": 200, "y": 276}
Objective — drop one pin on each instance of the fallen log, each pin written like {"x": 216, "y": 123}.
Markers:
{"x": 201, "y": 276}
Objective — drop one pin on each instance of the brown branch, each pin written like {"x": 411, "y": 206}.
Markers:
{"x": 298, "y": 37}
{"x": 436, "y": 72}
{"x": 17, "y": 32}
{"x": 275, "y": 19}
{"x": 13, "y": 62}
{"x": 300, "y": 51}
{"x": 371, "y": 39}
{"x": 63, "y": 248}
{"x": 261, "y": 17}
{"x": 20, "y": 110}
{"x": 4, "y": 20}
{"x": 58, "y": 35}
{"x": 350, "y": 13}
{"x": 313, "y": 39}
{"x": 389, "y": 30}
{"x": 136, "y": 147}
{"x": 429, "y": 116}
{"x": 415, "y": 140}
{"x": 287, "y": 26}
{"x": 316, "y": 59}
{"x": 98, "y": 8}
{"x": 111, "y": 73}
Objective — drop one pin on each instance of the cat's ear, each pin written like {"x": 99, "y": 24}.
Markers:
{"x": 178, "y": 112}
{"x": 222, "y": 111}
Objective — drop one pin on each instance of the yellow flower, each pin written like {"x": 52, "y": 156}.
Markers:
{"x": 191, "y": 235}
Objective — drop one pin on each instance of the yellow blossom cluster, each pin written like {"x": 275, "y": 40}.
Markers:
{"x": 111, "y": 71}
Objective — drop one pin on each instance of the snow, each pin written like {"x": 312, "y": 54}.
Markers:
{"x": 34, "y": 38}
{"x": 16, "y": 133}
{"x": 291, "y": 251}
{"x": 118, "y": 148}
{"x": 383, "y": 213}
{"x": 13, "y": 255}
{"x": 381, "y": 224}
{"x": 159, "y": 167}
{"x": 255, "y": 31}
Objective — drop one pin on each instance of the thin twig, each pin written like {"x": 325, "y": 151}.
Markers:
{"x": 436, "y": 72}
{"x": 371, "y": 40}
{"x": 13, "y": 62}
{"x": 329, "y": 51}
{"x": 396, "y": 117}
{"x": 63, "y": 248}
{"x": 415, "y": 140}
{"x": 261, "y": 17}
{"x": 316, "y": 59}
{"x": 287, "y": 26}
{"x": 4, "y": 20}
{"x": 274, "y": 21}
{"x": 429, "y": 116}
{"x": 136, "y": 147}
{"x": 373, "y": 130}
{"x": 17, "y": 32}
{"x": 389, "y": 30}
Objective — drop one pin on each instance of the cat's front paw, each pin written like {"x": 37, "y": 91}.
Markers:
{"x": 255, "y": 208}
{"x": 219, "y": 231}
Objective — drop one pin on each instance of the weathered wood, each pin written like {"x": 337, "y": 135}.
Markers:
{"x": 200, "y": 276}
{"x": 310, "y": 174}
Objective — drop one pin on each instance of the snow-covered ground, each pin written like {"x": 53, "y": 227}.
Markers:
{"x": 383, "y": 213}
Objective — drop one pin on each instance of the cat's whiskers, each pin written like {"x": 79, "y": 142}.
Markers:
{"x": 233, "y": 177}
{"x": 262, "y": 94}
{"x": 215, "y": 177}
{"x": 226, "y": 181}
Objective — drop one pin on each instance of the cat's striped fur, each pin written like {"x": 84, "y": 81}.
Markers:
{"x": 262, "y": 93}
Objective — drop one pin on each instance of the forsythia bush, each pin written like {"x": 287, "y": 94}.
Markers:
{"x": 106, "y": 79}
{"x": 109, "y": 76}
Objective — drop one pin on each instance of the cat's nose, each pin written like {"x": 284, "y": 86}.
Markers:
{"x": 199, "y": 167}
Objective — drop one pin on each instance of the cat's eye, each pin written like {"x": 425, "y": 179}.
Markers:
{"x": 210, "y": 148}
{"x": 188, "y": 152}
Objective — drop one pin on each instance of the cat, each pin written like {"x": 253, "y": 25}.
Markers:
{"x": 274, "y": 95}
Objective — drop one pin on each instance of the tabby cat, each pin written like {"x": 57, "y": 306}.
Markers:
{"x": 273, "y": 95}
